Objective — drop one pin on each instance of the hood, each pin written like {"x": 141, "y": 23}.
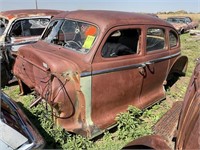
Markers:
{"x": 179, "y": 25}
{"x": 48, "y": 57}
{"x": 38, "y": 64}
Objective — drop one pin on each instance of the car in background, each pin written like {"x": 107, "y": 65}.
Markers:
{"x": 17, "y": 132}
{"x": 182, "y": 24}
{"x": 89, "y": 61}
{"x": 179, "y": 127}
{"x": 17, "y": 28}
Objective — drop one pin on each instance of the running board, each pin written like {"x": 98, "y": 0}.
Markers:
{"x": 167, "y": 125}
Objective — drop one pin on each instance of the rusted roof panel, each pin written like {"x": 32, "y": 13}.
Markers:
{"x": 104, "y": 18}
{"x": 28, "y": 12}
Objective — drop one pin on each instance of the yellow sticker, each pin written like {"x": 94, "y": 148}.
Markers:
{"x": 88, "y": 42}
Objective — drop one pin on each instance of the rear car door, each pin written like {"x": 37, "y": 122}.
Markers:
{"x": 156, "y": 65}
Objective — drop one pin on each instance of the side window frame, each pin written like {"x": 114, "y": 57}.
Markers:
{"x": 13, "y": 26}
{"x": 31, "y": 24}
{"x": 158, "y": 42}
{"x": 175, "y": 36}
{"x": 123, "y": 41}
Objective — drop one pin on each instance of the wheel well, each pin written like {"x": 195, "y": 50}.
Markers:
{"x": 182, "y": 31}
{"x": 178, "y": 69}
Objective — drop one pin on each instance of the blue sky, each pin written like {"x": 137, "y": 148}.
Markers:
{"x": 150, "y": 6}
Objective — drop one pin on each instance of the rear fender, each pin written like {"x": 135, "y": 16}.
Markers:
{"x": 179, "y": 68}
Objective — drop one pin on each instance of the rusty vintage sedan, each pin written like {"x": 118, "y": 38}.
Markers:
{"x": 182, "y": 24}
{"x": 90, "y": 65}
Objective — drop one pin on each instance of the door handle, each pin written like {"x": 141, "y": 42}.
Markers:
{"x": 142, "y": 69}
{"x": 150, "y": 66}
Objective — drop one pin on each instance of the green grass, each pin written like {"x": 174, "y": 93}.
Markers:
{"x": 131, "y": 124}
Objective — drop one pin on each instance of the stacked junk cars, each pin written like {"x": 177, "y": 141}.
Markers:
{"x": 87, "y": 62}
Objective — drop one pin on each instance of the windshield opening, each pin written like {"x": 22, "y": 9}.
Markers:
{"x": 74, "y": 35}
{"x": 3, "y": 25}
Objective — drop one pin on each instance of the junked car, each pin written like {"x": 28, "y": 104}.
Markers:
{"x": 17, "y": 28}
{"x": 179, "y": 127}
{"x": 17, "y": 132}
{"x": 90, "y": 65}
{"x": 182, "y": 24}
{"x": 23, "y": 25}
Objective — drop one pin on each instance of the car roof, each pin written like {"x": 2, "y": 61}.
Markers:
{"x": 10, "y": 14}
{"x": 112, "y": 18}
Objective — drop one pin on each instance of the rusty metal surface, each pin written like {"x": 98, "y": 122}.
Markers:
{"x": 108, "y": 19}
{"x": 183, "y": 27}
{"x": 10, "y": 14}
{"x": 167, "y": 125}
{"x": 148, "y": 142}
{"x": 14, "y": 15}
{"x": 189, "y": 125}
{"x": 82, "y": 86}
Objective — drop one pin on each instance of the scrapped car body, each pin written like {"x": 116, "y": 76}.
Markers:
{"x": 182, "y": 24}
{"x": 18, "y": 28}
{"x": 23, "y": 25}
{"x": 90, "y": 65}
{"x": 186, "y": 124}
{"x": 17, "y": 132}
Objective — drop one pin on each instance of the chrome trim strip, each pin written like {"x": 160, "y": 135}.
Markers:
{"x": 84, "y": 74}
{"x": 164, "y": 58}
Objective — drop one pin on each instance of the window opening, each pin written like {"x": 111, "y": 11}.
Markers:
{"x": 155, "y": 39}
{"x": 121, "y": 42}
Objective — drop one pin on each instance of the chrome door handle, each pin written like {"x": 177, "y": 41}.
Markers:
{"x": 142, "y": 69}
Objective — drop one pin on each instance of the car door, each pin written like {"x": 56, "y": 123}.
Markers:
{"x": 156, "y": 68}
{"x": 26, "y": 30}
{"x": 116, "y": 77}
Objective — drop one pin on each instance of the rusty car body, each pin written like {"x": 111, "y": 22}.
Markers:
{"x": 24, "y": 25}
{"x": 17, "y": 132}
{"x": 90, "y": 65}
{"x": 17, "y": 28}
{"x": 183, "y": 121}
{"x": 182, "y": 24}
